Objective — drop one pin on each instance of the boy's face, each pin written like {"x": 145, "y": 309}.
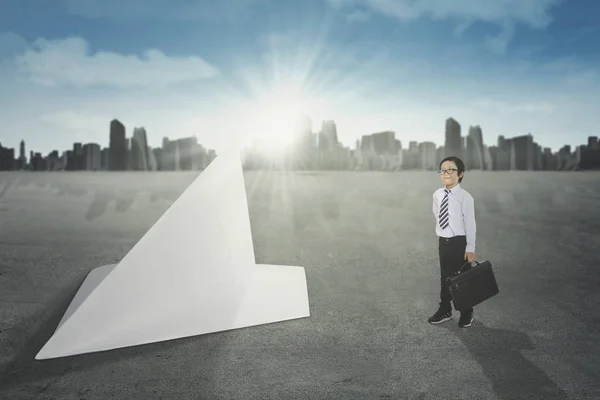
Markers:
{"x": 450, "y": 178}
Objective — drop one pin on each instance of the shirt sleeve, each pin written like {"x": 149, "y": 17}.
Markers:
{"x": 468, "y": 211}
{"x": 435, "y": 207}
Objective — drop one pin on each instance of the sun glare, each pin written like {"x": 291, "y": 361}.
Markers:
{"x": 275, "y": 117}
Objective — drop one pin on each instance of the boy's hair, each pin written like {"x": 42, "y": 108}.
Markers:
{"x": 460, "y": 165}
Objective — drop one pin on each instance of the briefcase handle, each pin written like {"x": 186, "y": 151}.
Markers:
{"x": 465, "y": 264}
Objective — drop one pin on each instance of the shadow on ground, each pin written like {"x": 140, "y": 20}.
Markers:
{"x": 512, "y": 375}
{"x": 102, "y": 198}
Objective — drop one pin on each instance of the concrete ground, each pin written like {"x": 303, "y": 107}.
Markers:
{"x": 368, "y": 245}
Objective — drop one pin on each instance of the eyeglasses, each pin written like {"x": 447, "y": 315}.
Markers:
{"x": 447, "y": 171}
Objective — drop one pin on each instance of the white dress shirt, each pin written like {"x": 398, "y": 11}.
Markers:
{"x": 461, "y": 207}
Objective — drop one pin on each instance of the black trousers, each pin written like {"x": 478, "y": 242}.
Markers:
{"x": 452, "y": 258}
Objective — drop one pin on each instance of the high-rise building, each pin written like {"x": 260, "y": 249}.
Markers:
{"x": 474, "y": 151}
{"x": 549, "y": 160}
{"x": 384, "y": 142}
{"x": 139, "y": 150}
{"x": 428, "y": 156}
{"x": 117, "y": 147}
{"x": 378, "y": 151}
{"x": 152, "y": 160}
{"x": 565, "y": 158}
{"x": 158, "y": 156}
{"x": 328, "y": 138}
{"x": 7, "y": 158}
{"x": 502, "y": 155}
{"x": 37, "y": 162}
{"x": 169, "y": 157}
{"x": 328, "y": 145}
{"x": 104, "y": 156}
{"x": 92, "y": 157}
{"x": 493, "y": 151}
{"x": 411, "y": 157}
{"x": 439, "y": 154}
{"x": 78, "y": 161}
{"x": 593, "y": 152}
{"x": 523, "y": 152}
{"x": 501, "y": 142}
{"x": 186, "y": 148}
{"x": 53, "y": 161}
{"x": 453, "y": 144}
{"x": 127, "y": 153}
{"x": 537, "y": 157}
{"x": 487, "y": 158}
{"x": 367, "y": 152}
{"x": 22, "y": 158}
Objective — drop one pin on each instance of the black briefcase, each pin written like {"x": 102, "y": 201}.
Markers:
{"x": 472, "y": 285}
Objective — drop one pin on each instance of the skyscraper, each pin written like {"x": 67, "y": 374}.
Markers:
{"x": 487, "y": 158}
{"x": 78, "y": 162}
{"x": 22, "y": 162}
{"x": 537, "y": 157}
{"x": 453, "y": 143}
{"x": 523, "y": 152}
{"x": 139, "y": 150}
{"x": 502, "y": 155}
{"x": 328, "y": 139}
{"x": 169, "y": 160}
{"x": 428, "y": 156}
{"x": 502, "y": 142}
{"x": 117, "y": 147}
{"x": 104, "y": 156}
{"x": 593, "y": 152}
{"x": 474, "y": 154}
{"x": 186, "y": 149}
{"x": 92, "y": 157}
{"x": 385, "y": 142}
{"x": 327, "y": 145}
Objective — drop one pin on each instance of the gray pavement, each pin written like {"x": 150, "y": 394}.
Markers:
{"x": 368, "y": 245}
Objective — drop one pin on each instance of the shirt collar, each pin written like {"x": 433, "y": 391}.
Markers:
{"x": 455, "y": 189}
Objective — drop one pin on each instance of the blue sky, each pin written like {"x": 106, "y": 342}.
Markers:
{"x": 223, "y": 69}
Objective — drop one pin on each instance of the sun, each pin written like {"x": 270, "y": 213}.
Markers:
{"x": 275, "y": 117}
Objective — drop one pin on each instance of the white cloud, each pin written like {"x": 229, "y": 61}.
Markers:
{"x": 506, "y": 108}
{"x": 503, "y": 13}
{"x": 69, "y": 62}
{"x": 78, "y": 121}
{"x": 499, "y": 43}
{"x": 358, "y": 16}
{"x": 534, "y": 13}
{"x": 461, "y": 28}
{"x": 161, "y": 9}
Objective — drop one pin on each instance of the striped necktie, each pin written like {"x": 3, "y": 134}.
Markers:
{"x": 444, "y": 215}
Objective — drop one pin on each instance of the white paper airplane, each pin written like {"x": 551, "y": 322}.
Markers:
{"x": 192, "y": 273}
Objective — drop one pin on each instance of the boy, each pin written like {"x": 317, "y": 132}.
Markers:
{"x": 454, "y": 210}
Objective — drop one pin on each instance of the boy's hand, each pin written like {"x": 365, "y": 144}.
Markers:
{"x": 469, "y": 256}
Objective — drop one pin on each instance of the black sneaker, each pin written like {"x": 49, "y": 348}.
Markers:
{"x": 440, "y": 316}
{"x": 466, "y": 319}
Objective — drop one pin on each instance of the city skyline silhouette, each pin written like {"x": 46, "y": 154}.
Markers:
{"x": 309, "y": 150}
